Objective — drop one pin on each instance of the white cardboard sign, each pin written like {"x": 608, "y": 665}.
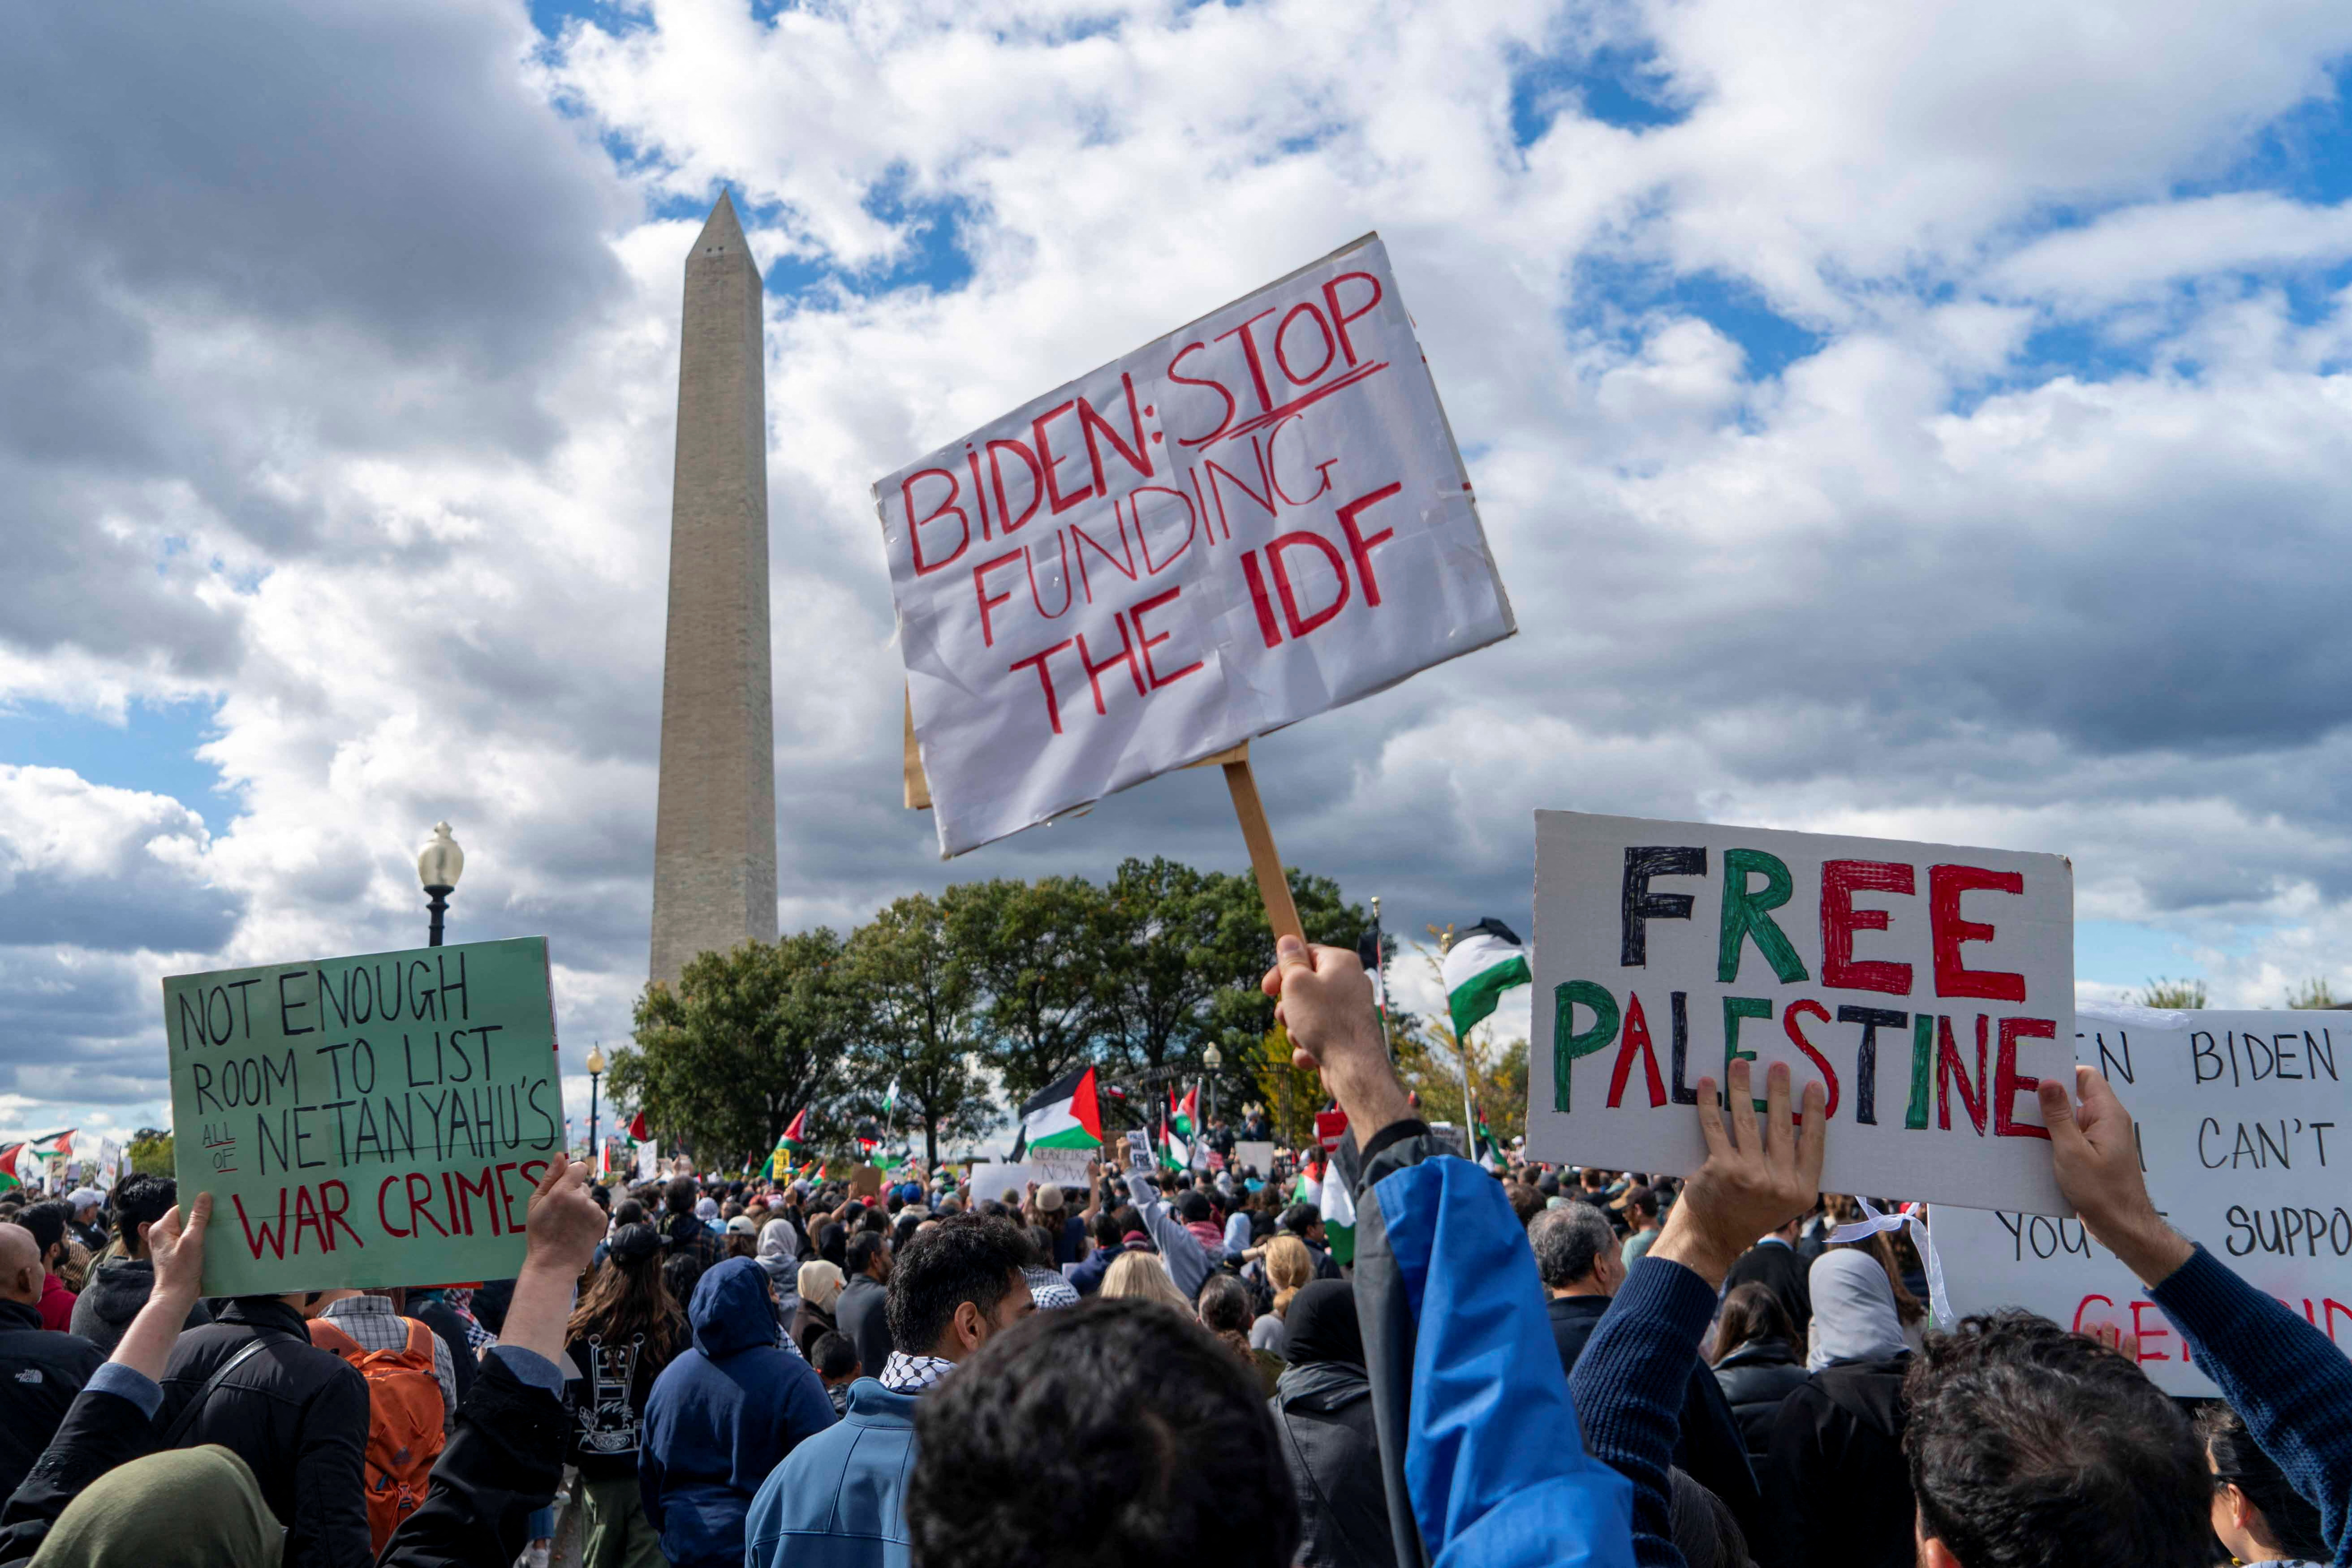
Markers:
{"x": 1258, "y": 517}
{"x": 1926, "y": 987}
{"x": 2245, "y": 1133}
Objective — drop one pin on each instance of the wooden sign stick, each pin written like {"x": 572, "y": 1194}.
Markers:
{"x": 1273, "y": 886}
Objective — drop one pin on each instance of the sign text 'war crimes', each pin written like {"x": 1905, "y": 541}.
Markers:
{"x": 1256, "y": 518}
{"x": 1927, "y": 989}
{"x": 2245, "y": 1126}
{"x": 345, "y": 1103}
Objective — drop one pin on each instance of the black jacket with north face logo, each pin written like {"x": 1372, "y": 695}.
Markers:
{"x": 40, "y": 1372}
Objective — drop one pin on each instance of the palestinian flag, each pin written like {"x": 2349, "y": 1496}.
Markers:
{"x": 637, "y": 1128}
{"x": 1484, "y": 962}
{"x": 1337, "y": 1205}
{"x": 1489, "y": 1149}
{"x": 1188, "y": 1113}
{"x": 1062, "y": 1115}
{"x": 9, "y": 1181}
{"x": 788, "y": 1147}
{"x": 1175, "y": 1149}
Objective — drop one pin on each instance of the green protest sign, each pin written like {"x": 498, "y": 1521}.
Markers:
{"x": 362, "y": 1121}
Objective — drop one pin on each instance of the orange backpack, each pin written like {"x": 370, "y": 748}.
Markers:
{"x": 403, "y": 1420}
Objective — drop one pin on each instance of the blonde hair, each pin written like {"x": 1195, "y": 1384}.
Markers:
{"x": 1291, "y": 1269}
{"x": 1142, "y": 1274}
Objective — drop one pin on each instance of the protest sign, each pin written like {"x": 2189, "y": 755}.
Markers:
{"x": 993, "y": 1180}
{"x": 865, "y": 1181}
{"x": 1064, "y": 1167}
{"x": 1140, "y": 1156}
{"x": 648, "y": 1160}
{"x": 1925, "y": 988}
{"x": 1258, "y": 517}
{"x": 2244, "y": 1123}
{"x": 1254, "y": 1153}
{"x": 369, "y": 1120}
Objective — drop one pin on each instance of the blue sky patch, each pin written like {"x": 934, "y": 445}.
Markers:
{"x": 1616, "y": 85}
{"x": 154, "y": 750}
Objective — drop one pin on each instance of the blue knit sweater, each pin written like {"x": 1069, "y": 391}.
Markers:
{"x": 2284, "y": 1378}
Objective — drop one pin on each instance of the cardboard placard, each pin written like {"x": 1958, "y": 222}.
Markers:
{"x": 369, "y": 1121}
{"x": 1258, "y": 517}
{"x": 1251, "y": 1152}
{"x": 1926, "y": 988}
{"x": 865, "y": 1181}
{"x": 1064, "y": 1167}
{"x": 2244, "y": 1121}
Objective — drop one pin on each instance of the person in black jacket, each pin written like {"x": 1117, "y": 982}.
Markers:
{"x": 1577, "y": 1254}
{"x": 1756, "y": 1363}
{"x": 297, "y": 1415}
{"x": 115, "y": 1290}
{"x": 858, "y": 1310}
{"x": 1322, "y": 1405}
{"x": 1838, "y": 1486}
{"x": 503, "y": 1463}
{"x": 1774, "y": 1261}
{"x": 40, "y": 1369}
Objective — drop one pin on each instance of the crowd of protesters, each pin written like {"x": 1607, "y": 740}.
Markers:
{"x": 1526, "y": 1366}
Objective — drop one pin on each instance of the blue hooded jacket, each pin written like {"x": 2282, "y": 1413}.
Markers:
{"x": 722, "y": 1416}
{"x": 840, "y": 1501}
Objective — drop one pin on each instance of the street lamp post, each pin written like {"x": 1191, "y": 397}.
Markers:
{"x": 595, "y": 1070}
{"x": 438, "y": 864}
{"x": 1211, "y": 1059}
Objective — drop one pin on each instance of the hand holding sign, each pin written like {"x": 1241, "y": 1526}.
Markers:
{"x": 1325, "y": 1001}
{"x": 1754, "y": 1179}
{"x": 2097, "y": 1162}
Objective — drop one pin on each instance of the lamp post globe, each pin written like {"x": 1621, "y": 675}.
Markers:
{"x": 439, "y": 866}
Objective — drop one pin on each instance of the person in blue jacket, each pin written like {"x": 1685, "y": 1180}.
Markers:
{"x": 840, "y": 1501}
{"x": 721, "y": 1416}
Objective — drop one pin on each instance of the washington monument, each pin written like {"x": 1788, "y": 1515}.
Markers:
{"x": 714, "y": 831}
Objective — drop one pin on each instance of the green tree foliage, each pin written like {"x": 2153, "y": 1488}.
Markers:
{"x": 2310, "y": 994}
{"x": 151, "y": 1152}
{"x": 915, "y": 1005}
{"x": 726, "y": 1061}
{"x": 1031, "y": 949}
{"x": 2175, "y": 995}
{"x": 1018, "y": 982}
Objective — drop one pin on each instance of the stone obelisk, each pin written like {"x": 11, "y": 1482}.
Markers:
{"x": 715, "y": 832}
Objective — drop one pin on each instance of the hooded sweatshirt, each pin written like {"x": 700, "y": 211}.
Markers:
{"x": 1834, "y": 1476}
{"x": 112, "y": 1296}
{"x": 721, "y": 1416}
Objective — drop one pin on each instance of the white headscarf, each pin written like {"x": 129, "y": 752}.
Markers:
{"x": 777, "y": 1239}
{"x": 1853, "y": 1311}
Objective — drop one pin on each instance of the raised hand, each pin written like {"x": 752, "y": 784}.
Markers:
{"x": 1326, "y": 1004}
{"x": 177, "y": 1247}
{"x": 2096, "y": 1160}
{"x": 1755, "y": 1178}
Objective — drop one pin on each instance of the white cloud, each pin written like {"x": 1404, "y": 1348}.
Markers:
{"x": 397, "y": 494}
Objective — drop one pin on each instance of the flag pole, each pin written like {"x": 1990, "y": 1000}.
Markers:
{"x": 1462, "y": 1059}
{"x": 1380, "y": 968}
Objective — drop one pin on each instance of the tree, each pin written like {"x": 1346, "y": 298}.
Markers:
{"x": 1240, "y": 1013}
{"x": 1031, "y": 948}
{"x": 914, "y": 994}
{"x": 2175, "y": 995}
{"x": 2310, "y": 994}
{"x": 727, "y": 1059}
{"x": 151, "y": 1152}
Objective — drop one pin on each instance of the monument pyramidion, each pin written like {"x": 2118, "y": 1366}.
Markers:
{"x": 714, "y": 831}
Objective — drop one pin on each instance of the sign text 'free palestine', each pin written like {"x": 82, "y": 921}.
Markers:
{"x": 362, "y": 1121}
{"x": 1926, "y": 988}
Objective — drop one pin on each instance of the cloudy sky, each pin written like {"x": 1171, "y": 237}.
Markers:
{"x": 1926, "y": 420}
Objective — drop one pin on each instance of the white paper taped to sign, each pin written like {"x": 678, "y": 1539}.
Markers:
{"x": 2245, "y": 1132}
{"x": 1258, "y": 517}
{"x": 1926, "y": 988}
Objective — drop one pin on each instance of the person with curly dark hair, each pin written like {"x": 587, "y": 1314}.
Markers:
{"x": 2030, "y": 1446}
{"x": 1118, "y": 1430}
